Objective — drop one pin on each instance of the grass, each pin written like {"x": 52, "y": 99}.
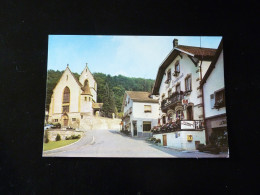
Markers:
{"x": 57, "y": 144}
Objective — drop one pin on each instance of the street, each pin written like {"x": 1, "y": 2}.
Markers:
{"x": 110, "y": 143}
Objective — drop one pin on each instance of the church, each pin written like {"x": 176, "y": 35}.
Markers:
{"x": 74, "y": 100}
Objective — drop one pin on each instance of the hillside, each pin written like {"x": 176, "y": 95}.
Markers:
{"x": 108, "y": 86}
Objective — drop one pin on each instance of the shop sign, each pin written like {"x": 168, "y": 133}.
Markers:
{"x": 219, "y": 123}
{"x": 191, "y": 124}
{"x": 189, "y": 138}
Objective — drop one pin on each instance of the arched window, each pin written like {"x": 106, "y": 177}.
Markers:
{"x": 86, "y": 82}
{"x": 66, "y": 95}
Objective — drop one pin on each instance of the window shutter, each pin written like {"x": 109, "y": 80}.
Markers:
{"x": 147, "y": 108}
{"x": 212, "y": 100}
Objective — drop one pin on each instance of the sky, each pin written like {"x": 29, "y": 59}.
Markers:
{"x": 132, "y": 56}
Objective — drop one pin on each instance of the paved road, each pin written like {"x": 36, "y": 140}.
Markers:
{"x": 110, "y": 143}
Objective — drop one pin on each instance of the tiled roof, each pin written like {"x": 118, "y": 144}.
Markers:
{"x": 198, "y": 51}
{"x": 141, "y": 96}
{"x": 97, "y": 105}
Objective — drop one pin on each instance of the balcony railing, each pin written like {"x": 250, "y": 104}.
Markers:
{"x": 194, "y": 125}
{"x": 173, "y": 99}
{"x": 128, "y": 112}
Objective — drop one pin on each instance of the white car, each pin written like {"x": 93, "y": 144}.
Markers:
{"x": 48, "y": 127}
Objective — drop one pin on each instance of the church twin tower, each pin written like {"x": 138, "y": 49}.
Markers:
{"x": 74, "y": 99}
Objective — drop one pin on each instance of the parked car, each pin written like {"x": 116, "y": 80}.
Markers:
{"x": 209, "y": 148}
{"x": 48, "y": 126}
{"x": 56, "y": 126}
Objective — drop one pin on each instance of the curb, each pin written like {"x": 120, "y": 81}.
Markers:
{"x": 61, "y": 147}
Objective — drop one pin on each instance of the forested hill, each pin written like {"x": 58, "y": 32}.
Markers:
{"x": 118, "y": 85}
{"x": 115, "y": 86}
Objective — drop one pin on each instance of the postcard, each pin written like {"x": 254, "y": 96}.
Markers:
{"x": 135, "y": 97}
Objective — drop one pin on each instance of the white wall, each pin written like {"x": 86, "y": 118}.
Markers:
{"x": 214, "y": 82}
{"x": 180, "y": 142}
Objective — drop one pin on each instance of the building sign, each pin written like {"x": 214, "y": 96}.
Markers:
{"x": 219, "y": 123}
{"x": 189, "y": 138}
{"x": 191, "y": 124}
{"x": 176, "y": 80}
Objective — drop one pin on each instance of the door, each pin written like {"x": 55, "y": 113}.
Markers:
{"x": 135, "y": 128}
{"x": 65, "y": 122}
{"x": 164, "y": 140}
{"x": 189, "y": 113}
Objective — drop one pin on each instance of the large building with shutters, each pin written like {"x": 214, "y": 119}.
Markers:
{"x": 73, "y": 100}
{"x": 180, "y": 96}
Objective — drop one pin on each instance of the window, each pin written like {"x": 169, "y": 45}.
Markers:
{"x": 178, "y": 88}
{"x": 67, "y": 77}
{"x": 188, "y": 83}
{"x": 81, "y": 116}
{"x": 128, "y": 100}
{"x": 169, "y": 92}
{"x": 163, "y": 95}
{"x": 146, "y": 126}
{"x": 90, "y": 99}
{"x": 177, "y": 68}
{"x": 220, "y": 98}
{"x": 66, "y": 95}
{"x": 169, "y": 75}
{"x": 65, "y": 109}
{"x": 147, "y": 108}
{"x": 86, "y": 99}
{"x": 56, "y": 120}
{"x": 73, "y": 119}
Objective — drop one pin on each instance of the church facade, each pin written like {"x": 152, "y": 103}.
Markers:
{"x": 74, "y": 100}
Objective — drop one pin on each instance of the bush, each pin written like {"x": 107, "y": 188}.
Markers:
{"x": 153, "y": 139}
{"x": 58, "y": 138}
{"x": 158, "y": 141}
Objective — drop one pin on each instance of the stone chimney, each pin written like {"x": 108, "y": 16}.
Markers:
{"x": 175, "y": 42}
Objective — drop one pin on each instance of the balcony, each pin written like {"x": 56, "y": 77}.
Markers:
{"x": 172, "y": 100}
{"x": 183, "y": 125}
{"x": 128, "y": 113}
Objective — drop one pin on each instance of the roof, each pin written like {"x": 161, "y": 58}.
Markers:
{"x": 141, "y": 96}
{"x": 75, "y": 78}
{"x": 197, "y": 52}
{"x": 97, "y": 105}
{"x": 213, "y": 63}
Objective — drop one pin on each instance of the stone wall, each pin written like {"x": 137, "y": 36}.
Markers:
{"x": 52, "y": 134}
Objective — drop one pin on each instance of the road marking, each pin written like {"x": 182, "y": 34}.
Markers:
{"x": 93, "y": 140}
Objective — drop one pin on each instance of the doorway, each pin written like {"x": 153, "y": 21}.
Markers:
{"x": 135, "y": 128}
{"x": 164, "y": 140}
{"x": 65, "y": 120}
{"x": 189, "y": 113}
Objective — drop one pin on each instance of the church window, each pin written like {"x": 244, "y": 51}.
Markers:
{"x": 65, "y": 108}
{"x": 86, "y": 99}
{"x": 81, "y": 116}
{"x": 67, "y": 77}
{"x": 66, "y": 95}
